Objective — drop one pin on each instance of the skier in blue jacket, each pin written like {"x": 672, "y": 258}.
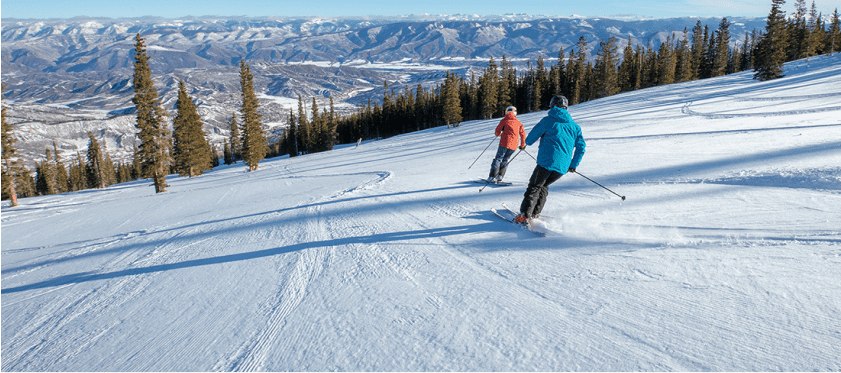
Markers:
{"x": 560, "y": 151}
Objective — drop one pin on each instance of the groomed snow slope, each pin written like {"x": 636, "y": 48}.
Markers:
{"x": 726, "y": 255}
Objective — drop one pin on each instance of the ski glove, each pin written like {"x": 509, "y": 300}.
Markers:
{"x": 571, "y": 169}
{"x": 523, "y": 147}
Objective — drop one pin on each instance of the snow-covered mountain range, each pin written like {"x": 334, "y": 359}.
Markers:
{"x": 78, "y": 70}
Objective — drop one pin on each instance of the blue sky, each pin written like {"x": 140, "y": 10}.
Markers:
{"x": 335, "y": 8}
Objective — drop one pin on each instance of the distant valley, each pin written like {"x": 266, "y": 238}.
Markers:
{"x": 65, "y": 77}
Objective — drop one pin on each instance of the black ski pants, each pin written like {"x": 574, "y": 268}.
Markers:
{"x": 538, "y": 190}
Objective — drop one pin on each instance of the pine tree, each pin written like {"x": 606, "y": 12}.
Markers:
{"x": 722, "y": 49}
{"x": 11, "y": 165}
{"x": 26, "y": 183}
{"x": 557, "y": 75}
{"x": 45, "y": 179}
{"x": 253, "y": 137}
{"x": 833, "y": 35}
{"x": 745, "y": 59}
{"x": 772, "y": 46}
{"x": 665, "y": 63}
{"x": 235, "y": 140}
{"x": 304, "y": 131}
{"x": 226, "y": 154}
{"x": 123, "y": 173}
{"x": 639, "y": 65}
{"x": 710, "y": 55}
{"x": 541, "y": 87}
{"x": 214, "y": 156}
{"x": 61, "y": 180}
{"x": 506, "y": 88}
{"x": 384, "y": 118}
{"x": 316, "y": 124}
{"x": 607, "y": 81}
{"x": 76, "y": 175}
{"x": 190, "y": 150}
{"x": 488, "y": 91}
{"x": 292, "y": 137}
{"x": 683, "y": 59}
{"x": 649, "y": 72}
{"x": 578, "y": 73}
{"x": 627, "y": 75}
{"x": 797, "y": 32}
{"x": 95, "y": 166}
{"x": 814, "y": 33}
{"x": 109, "y": 167}
{"x": 136, "y": 166}
{"x": 697, "y": 50}
{"x": 734, "y": 64}
{"x": 533, "y": 89}
{"x": 570, "y": 74}
{"x": 155, "y": 140}
{"x": 452, "y": 105}
{"x": 589, "y": 88}
{"x": 330, "y": 135}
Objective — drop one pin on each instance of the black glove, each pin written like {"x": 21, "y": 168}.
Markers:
{"x": 571, "y": 169}
{"x": 523, "y": 147}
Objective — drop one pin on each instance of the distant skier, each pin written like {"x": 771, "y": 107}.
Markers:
{"x": 512, "y": 135}
{"x": 561, "y": 149}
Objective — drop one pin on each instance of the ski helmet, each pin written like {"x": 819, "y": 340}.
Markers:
{"x": 559, "y": 101}
{"x": 510, "y": 109}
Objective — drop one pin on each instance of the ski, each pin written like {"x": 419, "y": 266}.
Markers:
{"x": 511, "y": 220}
{"x": 499, "y": 183}
{"x": 515, "y": 213}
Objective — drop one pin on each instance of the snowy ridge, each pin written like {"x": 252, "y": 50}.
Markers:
{"x": 384, "y": 257}
{"x": 59, "y": 69}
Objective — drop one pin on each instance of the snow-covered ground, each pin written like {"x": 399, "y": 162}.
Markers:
{"x": 725, "y": 256}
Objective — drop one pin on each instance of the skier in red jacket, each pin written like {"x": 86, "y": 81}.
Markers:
{"x": 512, "y": 135}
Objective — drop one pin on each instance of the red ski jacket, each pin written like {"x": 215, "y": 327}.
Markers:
{"x": 511, "y": 130}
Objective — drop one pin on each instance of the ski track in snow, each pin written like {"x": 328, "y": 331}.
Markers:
{"x": 385, "y": 258}
{"x": 253, "y": 354}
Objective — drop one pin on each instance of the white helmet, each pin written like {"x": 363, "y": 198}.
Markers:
{"x": 510, "y": 109}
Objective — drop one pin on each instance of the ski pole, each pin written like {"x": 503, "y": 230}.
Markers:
{"x": 483, "y": 152}
{"x": 503, "y": 166}
{"x": 532, "y": 157}
{"x": 623, "y": 197}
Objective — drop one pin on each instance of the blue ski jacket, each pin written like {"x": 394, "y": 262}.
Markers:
{"x": 561, "y": 143}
